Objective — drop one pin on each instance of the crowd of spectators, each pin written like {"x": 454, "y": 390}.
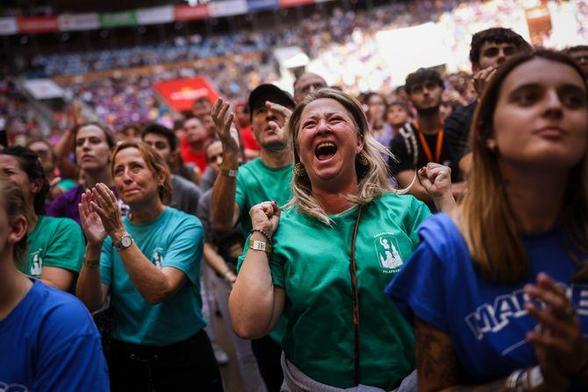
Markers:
{"x": 342, "y": 47}
{"x": 15, "y": 113}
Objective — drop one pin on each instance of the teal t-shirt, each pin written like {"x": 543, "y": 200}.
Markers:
{"x": 257, "y": 183}
{"x": 310, "y": 260}
{"x": 175, "y": 239}
{"x": 54, "y": 242}
{"x": 67, "y": 184}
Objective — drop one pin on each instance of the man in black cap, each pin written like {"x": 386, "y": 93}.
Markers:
{"x": 268, "y": 177}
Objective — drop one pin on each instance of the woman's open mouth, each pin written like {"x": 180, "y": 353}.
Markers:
{"x": 325, "y": 151}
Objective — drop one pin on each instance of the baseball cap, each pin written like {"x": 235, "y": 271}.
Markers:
{"x": 268, "y": 92}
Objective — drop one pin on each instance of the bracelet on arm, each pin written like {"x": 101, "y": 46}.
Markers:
{"x": 91, "y": 263}
{"x": 267, "y": 236}
{"x": 513, "y": 382}
{"x": 534, "y": 379}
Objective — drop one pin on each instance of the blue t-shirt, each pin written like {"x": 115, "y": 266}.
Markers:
{"x": 487, "y": 322}
{"x": 50, "y": 343}
{"x": 175, "y": 239}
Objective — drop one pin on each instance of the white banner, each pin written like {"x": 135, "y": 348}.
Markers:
{"x": 8, "y": 26}
{"x": 43, "y": 88}
{"x": 74, "y": 22}
{"x": 155, "y": 15}
{"x": 227, "y": 8}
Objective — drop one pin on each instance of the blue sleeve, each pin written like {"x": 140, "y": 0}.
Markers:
{"x": 70, "y": 355}
{"x": 185, "y": 250}
{"x": 419, "y": 288}
{"x": 106, "y": 256}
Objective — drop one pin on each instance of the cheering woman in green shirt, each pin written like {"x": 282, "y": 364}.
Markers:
{"x": 325, "y": 261}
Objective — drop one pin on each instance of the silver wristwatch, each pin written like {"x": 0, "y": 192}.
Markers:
{"x": 125, "y": 241}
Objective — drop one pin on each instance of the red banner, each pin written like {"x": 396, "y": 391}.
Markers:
{"x": 294, "y": 3}
{"x": 187, "y": 12}
{"x": 38, "y": 24}
{"x": 180, "y": 94}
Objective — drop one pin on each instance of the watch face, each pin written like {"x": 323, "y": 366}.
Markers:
{"x": 126, "y": 241}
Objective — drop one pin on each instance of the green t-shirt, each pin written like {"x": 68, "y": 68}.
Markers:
{"x": 67, "y": 184}
{"x": 257, "y": 183}
{"x": 175, "y": 239}
{"x": 310, "y": 260}
{"x": 54, "y": 242}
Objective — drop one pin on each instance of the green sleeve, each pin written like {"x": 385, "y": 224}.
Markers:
{"x": 420, "y": 213}
{"x": 67, "y": 247}
{"x": 241, "y": 194}
{"x": 276, "y": 265}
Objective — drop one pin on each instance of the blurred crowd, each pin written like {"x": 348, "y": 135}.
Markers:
{"x": 343, "y": 47}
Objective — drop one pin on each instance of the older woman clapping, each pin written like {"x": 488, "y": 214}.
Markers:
{"x": 150, "y": 263}
{"x": 325, "y": 261}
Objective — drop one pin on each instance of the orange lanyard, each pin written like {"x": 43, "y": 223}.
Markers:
{"x": 427, "y": 149}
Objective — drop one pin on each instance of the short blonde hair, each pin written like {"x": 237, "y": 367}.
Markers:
{"x": 372, "y": 172}
{"x": 154, "y": 162}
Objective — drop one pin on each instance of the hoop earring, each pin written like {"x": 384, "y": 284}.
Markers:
{"x": 299, "y": 170}
{"x": 362, "y": 160}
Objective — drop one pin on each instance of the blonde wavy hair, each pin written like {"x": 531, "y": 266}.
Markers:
{"x": 154, "y": 162}
{"x": 372, "y": 172}
{"x": 486, "y": 219}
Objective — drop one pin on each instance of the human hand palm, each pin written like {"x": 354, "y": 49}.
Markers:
{"x": 95, "y": 228}
{"x": 223, "y": 121}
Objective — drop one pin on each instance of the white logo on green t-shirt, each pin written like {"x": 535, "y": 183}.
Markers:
{"x": 387, "y": 251}
{"x": 36, "y": 262}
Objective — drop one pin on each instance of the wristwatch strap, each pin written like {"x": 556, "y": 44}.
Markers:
{"x": 261, "y": 246}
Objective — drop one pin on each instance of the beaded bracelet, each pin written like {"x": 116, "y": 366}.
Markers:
{"x": 512, "y": 383}
{"x": 267, "y": 236}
